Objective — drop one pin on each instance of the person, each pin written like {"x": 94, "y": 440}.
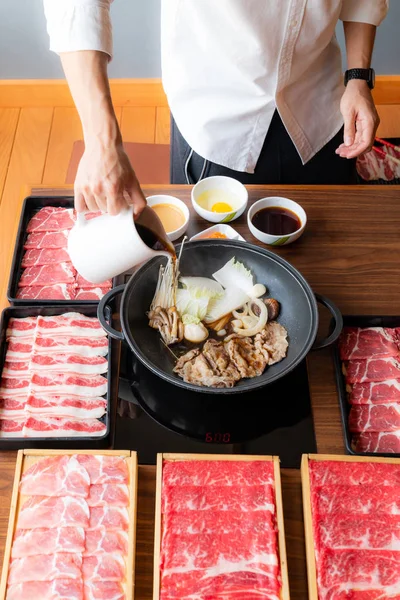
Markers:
{"x": 255, "y": 90}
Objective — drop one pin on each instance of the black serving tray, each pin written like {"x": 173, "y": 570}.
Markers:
{"x": 31, "y": 205}
{"x": 357, "y": 321}
{"x": 114, "y": 347}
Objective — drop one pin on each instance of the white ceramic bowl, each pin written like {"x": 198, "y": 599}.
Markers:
{"x": 276, "y": 240}
{"x": 163, "y": 199}
{"x": 239, "y": 198}
{"x": 230, "y": 233}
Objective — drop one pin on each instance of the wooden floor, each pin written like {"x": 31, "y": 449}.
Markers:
{"x": 36, "y": 143}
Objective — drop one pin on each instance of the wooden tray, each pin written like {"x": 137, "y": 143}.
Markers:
{"x": 308, "y": 524}
{"x": 285, "y": 594}
{"x": 27, "y": 458}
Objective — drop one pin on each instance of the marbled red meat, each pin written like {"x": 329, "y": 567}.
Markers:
{"x": 68, "y": 363}
{"x": 24, "y": 327}
{"x": 46, "y": 239}
{"x": 375, "y": 392}
{"x": 341, "y": 499}
{"x": 42, "y": 511}
{"x": 369, "y": 342}
{"x": 208, "y": 472}
{"x": 90, "y": 294}
{"x": 219, "y": 534}
{"x": 59, "y": 589}
{"x": 104, "y": 469}
{"x": 372, "y": 369}
{"x": 47, "y": 275}
{"x": 339, "y": 472}
{"x": 36, "y": 257}
{"x": 83, "y": 283}
{"x": 52, "y": 218}
{"x": 79, "y": 407}
{"x": 56, "y": 476}
{"x": 103, "y": 541}
{"x": 84, "y": 346}
{"x": 103, "y": 567}
{"x": 380, "y": 417}
{"x": 384, "y": 442}
{"x": 59, "y": 427}
{"x": 375, "y": 568}
{"x": 12, "y": 427}
{"x": 68, "y": 383}
{"x": 72, "y": 323}
{"x": 359, "y": 532}
{"x": 28, "y": 542}
{"x": 108, "y": 494}
{"x": 57, "y": 291}
{"x": 45, "y": 567}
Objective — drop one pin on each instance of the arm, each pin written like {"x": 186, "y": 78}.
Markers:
{"x": 360, "y": 20}
{"x": 80, "y": 32}
{"x": 357, "y": 106}
{"x": 105, "y": 179}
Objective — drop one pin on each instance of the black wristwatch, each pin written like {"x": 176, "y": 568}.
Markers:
{"x": 367, "y": 75}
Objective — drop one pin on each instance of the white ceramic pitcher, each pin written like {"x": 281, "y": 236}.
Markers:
{"x": 106, "y": 246}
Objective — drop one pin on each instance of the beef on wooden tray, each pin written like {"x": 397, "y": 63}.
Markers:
{"x": 63, "y": 546}
{"x": 216, "y": 518}
{"x": 368, "y": 375}
{"x": 351, "y": 508}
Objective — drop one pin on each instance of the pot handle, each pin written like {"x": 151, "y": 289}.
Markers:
{"x": 337, "y": 315}
{"x": 106, "y": 299}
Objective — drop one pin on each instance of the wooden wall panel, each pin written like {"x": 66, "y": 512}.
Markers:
{"x": 138, "y": 124}
{"x": 8, "y": 128}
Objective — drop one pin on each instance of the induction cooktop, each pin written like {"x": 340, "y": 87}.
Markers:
{"x": 156, "y": 416}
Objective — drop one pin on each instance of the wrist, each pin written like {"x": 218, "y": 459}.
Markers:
{"x": 102, "y": 127}
{"x": 358, "y": 85}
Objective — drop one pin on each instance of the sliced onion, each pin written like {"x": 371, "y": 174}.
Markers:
{"x": 261, "y": 321}
{"x": 258, "y": 290}
{"x": 243, "y": 312}
{"x": 237, "y": 323}
{"x": 249, "y": 322}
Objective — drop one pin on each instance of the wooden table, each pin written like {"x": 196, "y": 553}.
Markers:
{"x": 349, "y": 252}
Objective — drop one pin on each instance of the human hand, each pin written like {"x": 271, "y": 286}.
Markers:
{"x": 106, "y": 180}
{"x": 360, "y": 119}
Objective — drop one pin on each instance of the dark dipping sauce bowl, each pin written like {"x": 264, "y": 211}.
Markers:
{"x": 287, "y": 214}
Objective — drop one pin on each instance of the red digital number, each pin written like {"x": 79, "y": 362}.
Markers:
{"x": 218, "y": 438}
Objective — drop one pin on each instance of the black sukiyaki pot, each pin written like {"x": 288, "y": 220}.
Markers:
{"x": 299, "y": 310}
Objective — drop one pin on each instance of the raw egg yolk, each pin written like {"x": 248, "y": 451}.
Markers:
{"x": 221, "y": 207}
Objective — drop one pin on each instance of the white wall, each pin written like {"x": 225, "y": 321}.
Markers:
{"x": 24, "y": 43}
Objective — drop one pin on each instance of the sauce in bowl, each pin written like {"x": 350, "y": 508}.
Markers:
{"x": 276, "y": 220}
{"x": 170, "y": 216}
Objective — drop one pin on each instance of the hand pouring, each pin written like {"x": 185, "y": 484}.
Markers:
{"x": 106, "y": 246}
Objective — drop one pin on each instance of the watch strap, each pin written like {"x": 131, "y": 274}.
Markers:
{"x": 363, "y": 74}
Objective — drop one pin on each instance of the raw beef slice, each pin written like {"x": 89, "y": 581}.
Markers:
{"x": 91, "y": 293}
{"x": 55, "y": 512}
{"x": 21, "y": 327}
{"x": 334, "y": 473}
{"x": 371, "y": 369}
{"x": 385, "y": 442}
{"x": 68, "y": 383}
{"x": 52, "y": 218}
{"x": 27, "y": 542}
{"x": 104, "y": 469}
{"x": 83, "y": 283}
{"x": 59, "y": 427}
{"x": 369, "y": 342}
{"x": 84, "y": 346}
{"x": 375, "y": 392}
{"x": 74, "y": 324}
{"x": 48, "y": 275}
{"x": 45, "y": 567}
{"x": 359, "y": 532}
{"x": 56, "y": 476}
{"x": 66, "y": 406}
{"x": 46, "y": 239}
{"x": 57, "y": 291}
{"x": 59, "y": 589}
{"x": 68, "y": 363}
{"x": 44, "y": 256}
{"x": 185, "y": 472}
{"x": 381, "y": 417}
{"x": 178, "y": 498}
{"x": 342, "y": 499}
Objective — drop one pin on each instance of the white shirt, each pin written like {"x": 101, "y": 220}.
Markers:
{"x": 228, "y": 64}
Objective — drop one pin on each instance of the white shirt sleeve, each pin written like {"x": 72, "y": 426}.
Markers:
{"x": 364, "y": 11}
{"x": 79, "y": 25}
